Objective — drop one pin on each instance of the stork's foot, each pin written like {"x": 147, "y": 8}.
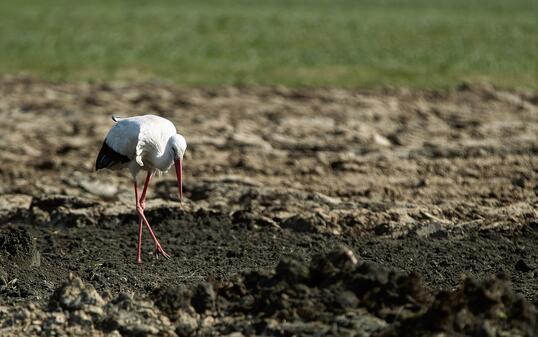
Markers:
{"x": 160, "y": 251}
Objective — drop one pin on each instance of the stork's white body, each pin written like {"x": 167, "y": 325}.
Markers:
{"x": 143, "y": 143}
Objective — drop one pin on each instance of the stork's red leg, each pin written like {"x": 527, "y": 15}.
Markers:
{"x": 158, "y": 246}
{"x": 141, "y": 203}
{"x": 143, "y": 196}
{"x": 139, "y": 247}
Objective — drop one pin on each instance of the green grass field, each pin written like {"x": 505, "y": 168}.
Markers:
{"x": 354, "y": 43}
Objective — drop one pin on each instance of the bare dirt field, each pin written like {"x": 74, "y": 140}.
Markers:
{"x": 308, "y": 212}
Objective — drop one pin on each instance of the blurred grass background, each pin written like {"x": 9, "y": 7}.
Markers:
{"x": 344, "y": 43}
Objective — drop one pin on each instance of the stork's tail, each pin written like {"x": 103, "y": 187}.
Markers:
{"x": 116, "y": 118}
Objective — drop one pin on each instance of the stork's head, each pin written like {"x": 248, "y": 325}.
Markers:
{"x": 179, "y": 146}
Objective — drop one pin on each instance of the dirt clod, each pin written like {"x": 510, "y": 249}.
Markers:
{"x": 203, "y": 298}
{"x": 487, "y": 308}
{"x": 311, "y": 223}
{"x": 75, "y": 295}
{"x": 17, "y": 245}
{"x": 524, "y": 266}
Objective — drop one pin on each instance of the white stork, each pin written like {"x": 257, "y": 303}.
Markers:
{"x": 148, "y": 143}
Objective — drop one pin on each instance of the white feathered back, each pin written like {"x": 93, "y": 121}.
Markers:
{"x": 141, "y": 138}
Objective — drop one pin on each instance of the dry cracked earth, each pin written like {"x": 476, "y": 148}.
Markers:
{"x": 308, "y": 212}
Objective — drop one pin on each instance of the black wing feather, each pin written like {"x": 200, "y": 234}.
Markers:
{"x": 107, "y": 157}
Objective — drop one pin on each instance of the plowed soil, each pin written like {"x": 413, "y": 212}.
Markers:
{"x": 421, "y": 201}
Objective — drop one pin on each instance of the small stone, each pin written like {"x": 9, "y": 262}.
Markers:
{"x": 343, "y": 257}
{"x": 365, "y": 322}
{"x": 235, "y": 334}
{"x": 94, "y": 310}
{"x": 292, "y": 270}
{"x": 381, "y": 140}
{"x": 101, "y": 189}
{"x": 186, "y": 325}
{"x": 79, "y": 317}
{"x": 382, "y": 229}
{"x": 56, "y": 318}
{"x": 114, "y": 333}
{"x": 3, "y": 276}
{"x": 523, "y": 266}
{"x": 21, "y": 315}
{"x": 143, "y": 330}
{"x": 9, "y": 202}
{"x": 249, "y": 140}
{"x": 207, "y": 322}
{"x": 305, "y": 224}
{"x": 299, "y": 328}
{"x": 347, "y": 299}
{"x": 519, "y": 182}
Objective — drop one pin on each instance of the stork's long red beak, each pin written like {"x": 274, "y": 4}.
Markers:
{"x": 179, "y": 174}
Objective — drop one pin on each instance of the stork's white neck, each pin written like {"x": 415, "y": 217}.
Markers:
{"x": 164, "y": 161}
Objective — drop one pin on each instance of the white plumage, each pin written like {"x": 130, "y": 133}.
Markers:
{"x": 148, "y": 143}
